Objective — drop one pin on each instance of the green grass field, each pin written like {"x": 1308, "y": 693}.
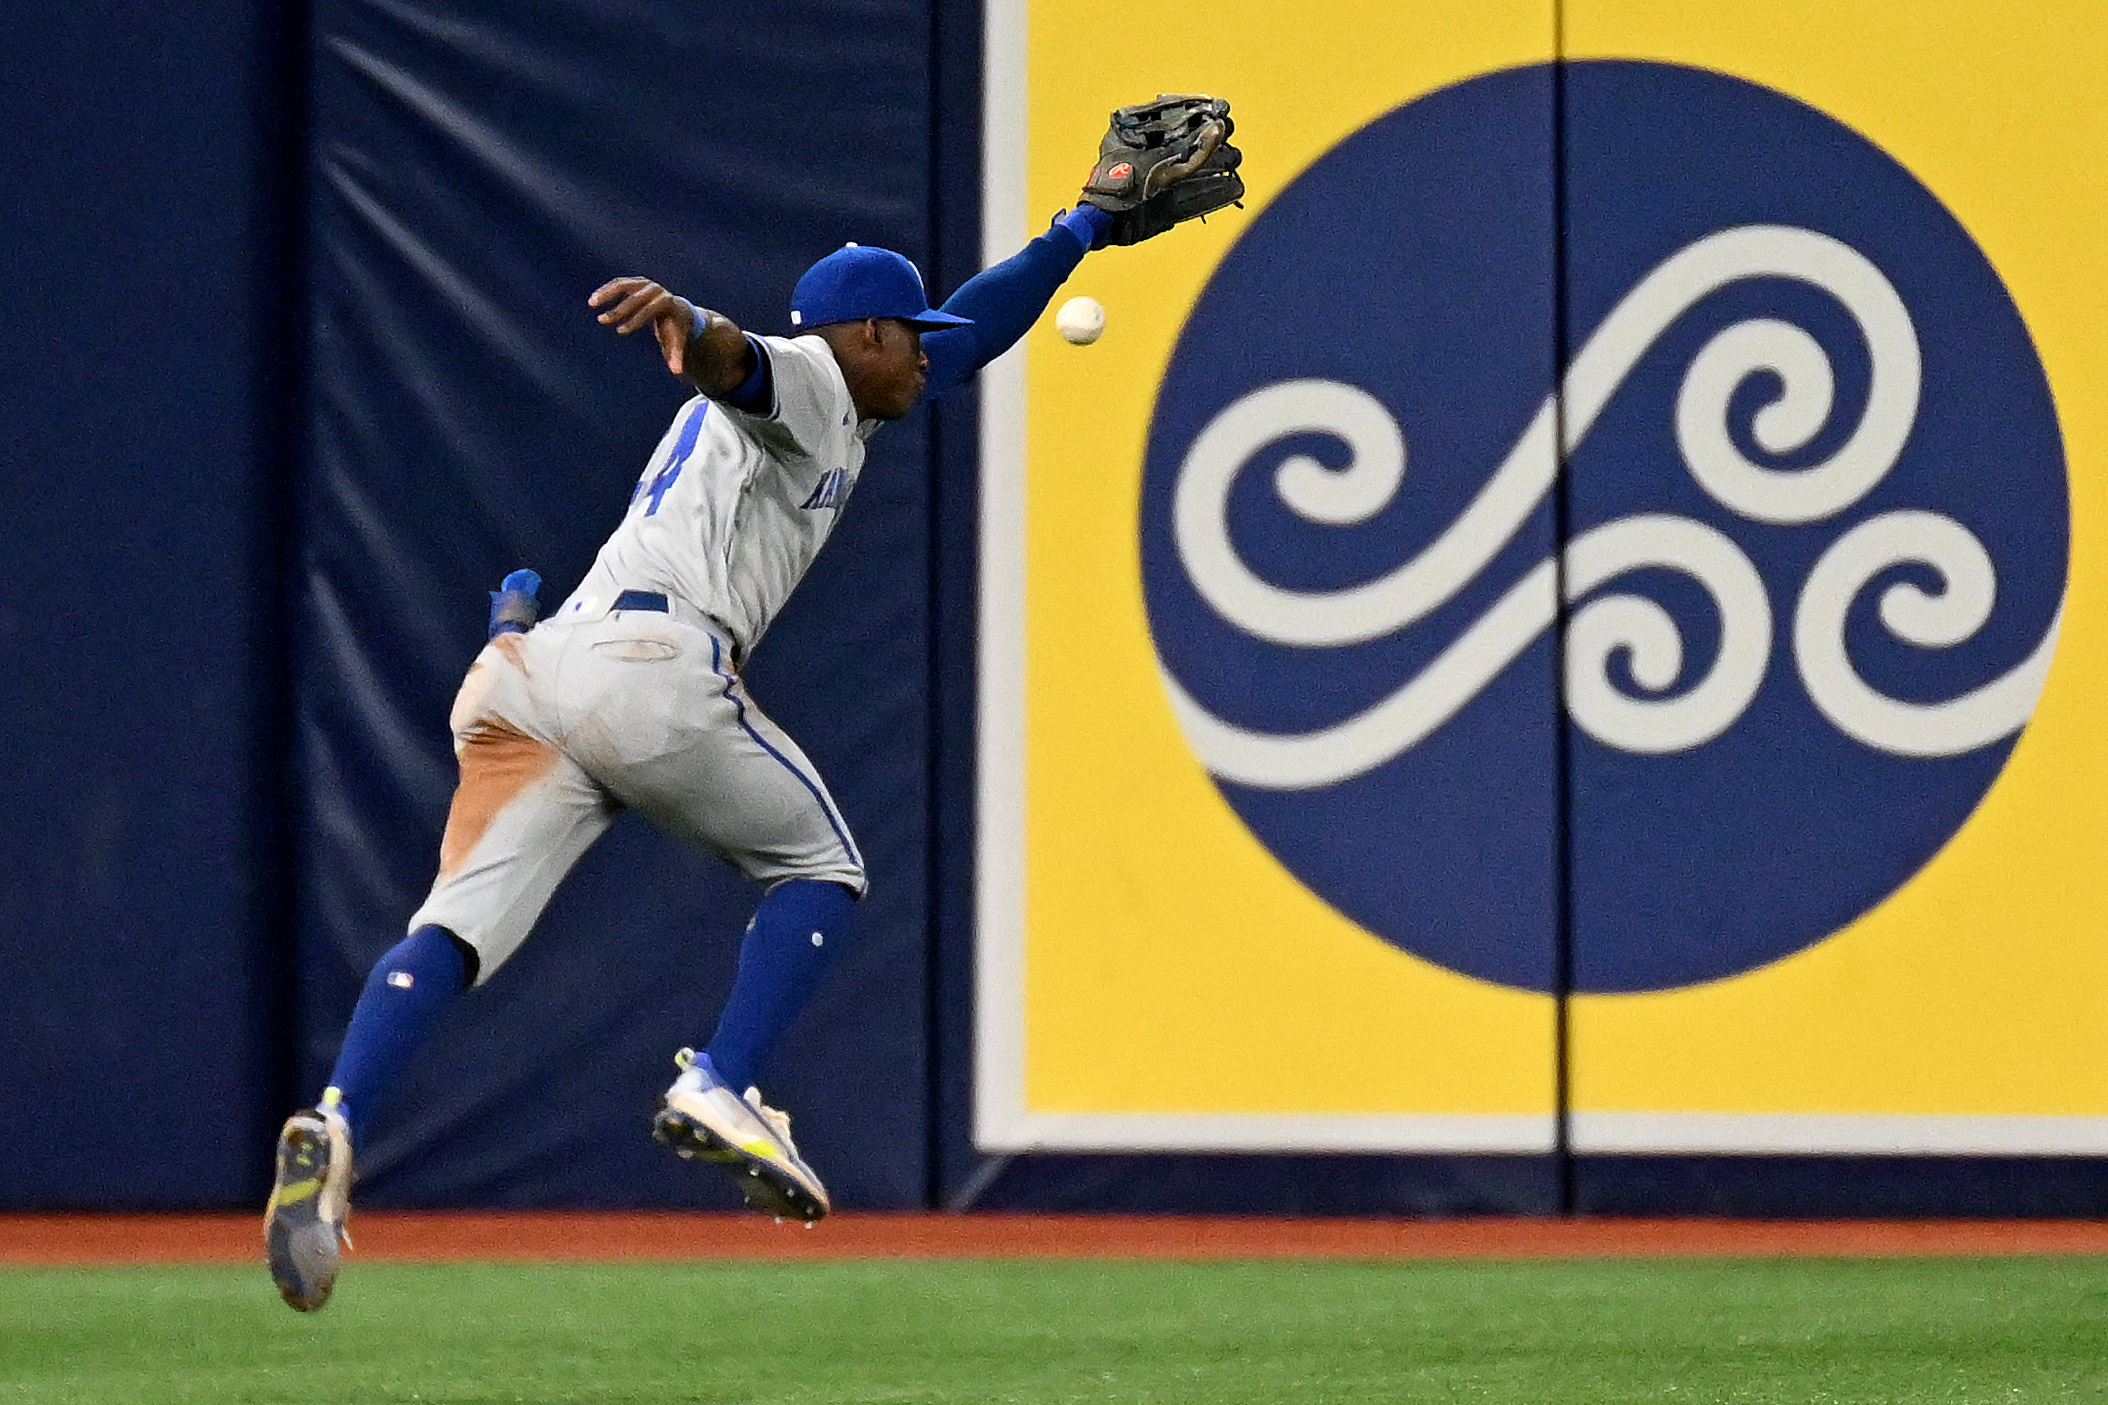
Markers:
{"x": 2006, "y": 1330}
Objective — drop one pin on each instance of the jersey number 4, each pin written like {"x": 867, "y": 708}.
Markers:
{"x": 657, "y": 488}
{"x": 655, "y": 491}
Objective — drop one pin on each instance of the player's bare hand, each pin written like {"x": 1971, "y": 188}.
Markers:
{"x": 630, "y": 304}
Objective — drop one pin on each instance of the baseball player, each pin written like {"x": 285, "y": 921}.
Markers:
{"x": 630, "y": 694}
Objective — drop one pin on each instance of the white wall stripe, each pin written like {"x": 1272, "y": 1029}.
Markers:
{"x": 1276, "y": 1132}
{"x": 999, "y": 903}
{"x": 1748, "y": 1133}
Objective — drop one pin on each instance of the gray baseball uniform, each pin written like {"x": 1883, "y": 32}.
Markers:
{"x": 629, "y": 694}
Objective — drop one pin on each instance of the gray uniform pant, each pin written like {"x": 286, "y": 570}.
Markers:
{"x": 561, "y": 728}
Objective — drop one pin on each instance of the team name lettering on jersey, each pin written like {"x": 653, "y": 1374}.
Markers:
{"x": 828, "y": 492}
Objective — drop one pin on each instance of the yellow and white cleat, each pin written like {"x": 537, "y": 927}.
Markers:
{"x": 702, "y": 1119}
{"x": 310, "y": 1201}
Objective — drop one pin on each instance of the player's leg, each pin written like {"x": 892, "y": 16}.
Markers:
{"x": 522, "y": 815}
{"x": 725, "y": 778}
{"x": 406, "y": 992}
{"x": 743, "y": 789}
{"x": 793, "y": 938}
{"x": 788, "y": 945}
{"x": 310, "y": 1196}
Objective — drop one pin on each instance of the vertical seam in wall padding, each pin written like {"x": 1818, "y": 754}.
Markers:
{"x": 1562, "y": 782}
{"x": 942, "y": 275}
{"x": 957, "y": 84}
{"x": 281, "y": 322}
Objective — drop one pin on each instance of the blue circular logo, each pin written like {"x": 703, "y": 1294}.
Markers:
{"x": 1626, "y": 573}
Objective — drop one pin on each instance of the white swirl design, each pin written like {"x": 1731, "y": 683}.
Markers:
{"x": 1638, "y": 628}
{"x": 1642, "y": 628}
{"x": 1940, "y": 621}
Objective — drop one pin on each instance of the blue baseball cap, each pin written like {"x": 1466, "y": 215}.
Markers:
{"x": 856, "y": 282}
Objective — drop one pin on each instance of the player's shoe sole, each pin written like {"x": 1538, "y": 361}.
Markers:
{"x": 766, "y": 1185}
{"x": 304, "y": 1220}
{"x": 703, "y": 1120}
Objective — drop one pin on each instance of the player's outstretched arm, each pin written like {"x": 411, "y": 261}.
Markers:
{"x": 705, "y": 348}
{"x": 1004, "y": 301}
{"x": 1159, "y": 164}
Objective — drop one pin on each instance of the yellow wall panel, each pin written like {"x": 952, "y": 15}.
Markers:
{"x": 1160, "y": 975}
{"x": 1153, "y": 975}
{"x": 1964, "y": 1013}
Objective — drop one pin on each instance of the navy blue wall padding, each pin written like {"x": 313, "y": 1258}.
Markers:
{"x": 955, "y": 224}
{"x": 479, "y": 170}
{"x": 1827, "y": 1187}
{"x": 140, "y": 354}
{"x": 1188, "y": 1184}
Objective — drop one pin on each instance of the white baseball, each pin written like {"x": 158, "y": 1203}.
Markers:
{"x": 1081, "y": 320}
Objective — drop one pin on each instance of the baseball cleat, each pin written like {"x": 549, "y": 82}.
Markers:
{"x": 703, "y": 1120}
{"x": 310, "y": 1200}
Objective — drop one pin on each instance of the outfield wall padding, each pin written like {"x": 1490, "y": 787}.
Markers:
{"x": 148, "y": 346}
{"x": 477, "y": 174}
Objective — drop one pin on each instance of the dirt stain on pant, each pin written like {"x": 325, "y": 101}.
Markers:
{"x": 498, "y": 762}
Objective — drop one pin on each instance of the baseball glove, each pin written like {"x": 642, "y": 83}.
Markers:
{"x": 1165, "y": 162}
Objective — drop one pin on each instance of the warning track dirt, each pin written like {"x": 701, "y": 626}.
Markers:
{"x": 439, "y": 1237}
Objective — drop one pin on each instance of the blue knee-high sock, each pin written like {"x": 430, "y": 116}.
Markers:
{"x": 793, "y": 937}
{"x": 404, "y": 997}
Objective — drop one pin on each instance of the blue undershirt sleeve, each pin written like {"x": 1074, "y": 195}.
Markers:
{"x": 757, "y": 393}
{"x": 1004, "y": 301}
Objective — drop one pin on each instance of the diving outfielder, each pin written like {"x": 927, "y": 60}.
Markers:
{"x": 630, "y": 695}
